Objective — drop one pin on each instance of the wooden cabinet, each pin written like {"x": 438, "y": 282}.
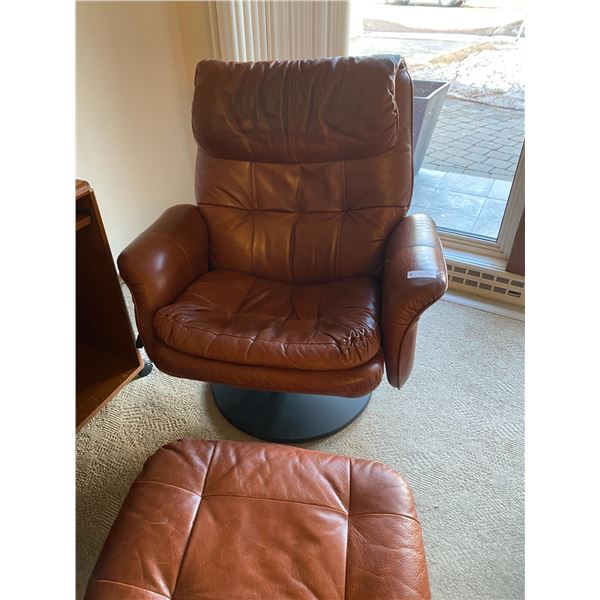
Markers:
{"x": 106, "y": 355}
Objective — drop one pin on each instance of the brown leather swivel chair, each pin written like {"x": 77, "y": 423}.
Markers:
{"x": 298, "y": 273}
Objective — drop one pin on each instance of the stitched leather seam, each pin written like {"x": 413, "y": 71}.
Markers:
{"x": 293, "y": 244}
{"x": 250, "y": 288}
{"x": 414, "y": 320}
{"x": 394, "y": 148}
{"x": 253, "y": 217}
{"x": 293, "y": 232}
{"x": 358, "y": 389}
{"x": 337, "y": 510}
{"x": 135, "y": 587}
{"x": 319, "y": 306}
{"x": 344, "y": 213}
{"x": 409, "y": 248}
{"x": 372, "y": 333}
{"x": 332, "y": 282}
{"x": 293, "y": 314}
{"x": 383, "y": 514}
{"x": 410, "y": 133}
{"x": 348, "y": 525}
{"x": 305, "y": 212}
{"x": 195, "y": 517}
{"x": 210, "y": 344}
{"x": 167, "y": 485}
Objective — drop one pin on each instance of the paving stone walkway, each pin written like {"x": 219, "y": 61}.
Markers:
{"x": 476, "y": 139}
{"x": 462, "y": 203}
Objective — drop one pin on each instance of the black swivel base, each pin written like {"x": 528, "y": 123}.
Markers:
{"x": 284, "y": 416}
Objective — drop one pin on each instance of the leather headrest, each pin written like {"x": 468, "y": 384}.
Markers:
{"x": 298, "y": 110}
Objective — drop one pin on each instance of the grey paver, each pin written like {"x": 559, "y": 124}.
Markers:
{"x": 502, "y": 174}
{"x": 486, "y": 227}
{"x": 475, "y": 157}
{"x": 459, "y": 144}
{"x": 479, "y": 129}
{"x": 466, "y": 205}
{"x": 452, "y": 221}
{"x": 506, "y": 136}
{"x": 452, "y": 150}
{"x": 493, "y": 209}
{"x": 458, "y": 161}
{"x": 500, "y": 189}
{"x": 466, "y": 184}
{"x": 485, "y": 169}
{"x": 479, "y": 212}
{"x": 489, "y": 145}
{"x": 486, "y": 137}
{"x": 500, "y": 155}
{"x": 422, "y": 193}
{"x": 496, "y": 162}
{"x": 429, "y": 177}
{"x": 469, "y": 139}
{"x": 441, "y": 156}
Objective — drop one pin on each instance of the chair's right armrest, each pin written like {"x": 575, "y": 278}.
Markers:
{"x": 415, "y": 277}
{"x": 165, "y": 259}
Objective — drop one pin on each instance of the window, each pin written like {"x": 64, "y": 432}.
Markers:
{"x": 466, "y": 62}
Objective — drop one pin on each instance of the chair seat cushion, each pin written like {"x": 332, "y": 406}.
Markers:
{"x": 238, "y": 318}
{"x": 240, "y": 521}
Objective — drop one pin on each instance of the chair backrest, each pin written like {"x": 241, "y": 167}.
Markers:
{"x": 304, "y": 167}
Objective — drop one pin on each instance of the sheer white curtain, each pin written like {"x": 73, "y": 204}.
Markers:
{"x": 248, "y": 30}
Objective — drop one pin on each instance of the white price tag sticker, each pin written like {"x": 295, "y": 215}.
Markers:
{"x": 423, "y": 273}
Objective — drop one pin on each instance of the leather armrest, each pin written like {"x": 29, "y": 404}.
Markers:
{"x": 415, "y": 276}
{"x": 163, "y": 261}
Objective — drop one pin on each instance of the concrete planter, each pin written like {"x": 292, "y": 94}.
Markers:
{"x": 428, "y": 99}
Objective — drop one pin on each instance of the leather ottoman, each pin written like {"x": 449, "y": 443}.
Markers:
{"x": 229, "y": 520}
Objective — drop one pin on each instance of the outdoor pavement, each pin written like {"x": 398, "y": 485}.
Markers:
{"x": 415, "y": 48}
{"x": 466, "y": 175}
{"x": 476, "y": 139}
{"x": 460, "y": 202}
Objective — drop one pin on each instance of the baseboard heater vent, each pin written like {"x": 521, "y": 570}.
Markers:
{"x": 491, "y": 283}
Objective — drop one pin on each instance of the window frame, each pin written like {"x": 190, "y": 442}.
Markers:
{"x": 499, "y": 250}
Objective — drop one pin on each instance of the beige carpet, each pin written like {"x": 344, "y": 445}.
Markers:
{"x": 455, "y": 431}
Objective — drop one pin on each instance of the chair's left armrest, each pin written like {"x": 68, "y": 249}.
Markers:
{"x": 164, "y": 260}
{"x": 415, "y": 276}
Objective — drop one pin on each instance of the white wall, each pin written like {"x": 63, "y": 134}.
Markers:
{"x": 194, "y": 21}
{"x": 134, "y": 93}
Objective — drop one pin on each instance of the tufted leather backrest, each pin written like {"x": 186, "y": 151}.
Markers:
{"x": 304, "y": 167}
